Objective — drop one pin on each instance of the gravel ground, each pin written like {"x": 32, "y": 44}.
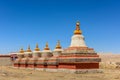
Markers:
{"x": 9, "y": 73}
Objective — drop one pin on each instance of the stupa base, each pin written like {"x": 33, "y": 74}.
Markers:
{"x": 23, "y": 65}
{"x": 16, "y": 65}
{"x": 52, "y": 67}
{"x": 31, "y": 65}
{"x": 78, "y": 66}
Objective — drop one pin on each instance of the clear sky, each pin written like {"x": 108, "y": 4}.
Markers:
{"x": 27, "y": 22}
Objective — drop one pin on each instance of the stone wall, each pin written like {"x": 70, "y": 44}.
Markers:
{"x": 5, "y": 60}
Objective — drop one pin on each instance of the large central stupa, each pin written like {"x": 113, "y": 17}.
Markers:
{"x": 78, "y": 38}
{"x": 76, "y": 58}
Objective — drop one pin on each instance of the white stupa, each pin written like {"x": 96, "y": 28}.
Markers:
{"x": 58, "y": 47}
{"x": 78, "y": 39}
{"x": 36, "y": 52}
{"x": 46, "y": 52}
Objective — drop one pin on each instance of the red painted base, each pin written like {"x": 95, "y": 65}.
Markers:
{"x": 31, "y": 66}
{"x": 79, "y": 65}
{"x": 23, "y": 65}
{"x": 16, "y": 65}
{"x": 40, "y": 66}
{"x": 52, "y": 67}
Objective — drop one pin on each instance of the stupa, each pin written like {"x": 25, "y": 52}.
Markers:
{"x": 27, "y": 55}
{"x": 77, "y": 58}
{"x": 53, "y": 62}
{"x": 42, "y": 61}
{"x": 35, "y": 55}
{"x": 78, "y": 39}
{"x": 20, "y": 56}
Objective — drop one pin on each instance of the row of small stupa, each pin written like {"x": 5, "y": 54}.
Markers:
{"x": 76, "y": 58}
{"x": 37, "y": 53}
{"x": 37, "y": 49}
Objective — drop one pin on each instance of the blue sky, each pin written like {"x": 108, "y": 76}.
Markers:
{"x": 27, "y": 22}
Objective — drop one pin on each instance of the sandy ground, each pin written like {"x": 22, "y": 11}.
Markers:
{"x": 9, "y": 73}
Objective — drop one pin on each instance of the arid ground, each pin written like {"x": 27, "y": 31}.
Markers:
{"x": 8, "y": 73}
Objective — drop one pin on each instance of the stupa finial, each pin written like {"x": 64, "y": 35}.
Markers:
{"x": 77, "y": 30}
{"x": 37, "y": 48}
{"x": 46, "y": 46}
{"x": 58, "y": 46}
{"x": 28, "y": 50}
{"x": 21, "y": 50}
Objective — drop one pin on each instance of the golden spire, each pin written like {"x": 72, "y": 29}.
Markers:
{"x": 46, "y": 47}
{"x": 28, "y": 50}
{"x": 21, "y": 50}
{"x": 58, "y": 46}
{"x": 37, "y": 48}
{"x": 77, "y": 30}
